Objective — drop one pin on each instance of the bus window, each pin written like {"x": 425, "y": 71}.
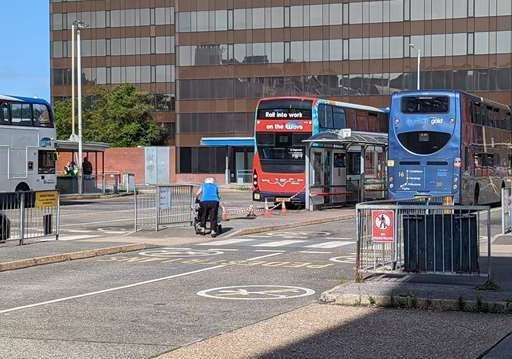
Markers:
{"x": 325, "y": 116}
{"x": 41, "y": 116}
{"x": 338, "y": 117}
{"x": 4, "y": 114}
{"x": 46, "y": 162}
{"x": 485, "y": 160}
{"x": 21, "y": 114}
{"x": 424, "y": 142}
{"x": 424, "y": 104}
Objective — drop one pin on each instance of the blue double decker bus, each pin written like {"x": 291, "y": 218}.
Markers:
{"x": 448, "y": 143}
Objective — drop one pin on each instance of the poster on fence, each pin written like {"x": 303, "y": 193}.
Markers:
{"x": 164, "y": 197}
{"x": 47, "y": 199}
{"x": 383, "y": 229}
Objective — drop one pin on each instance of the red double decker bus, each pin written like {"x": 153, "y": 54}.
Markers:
{"x": 283, "y": 123}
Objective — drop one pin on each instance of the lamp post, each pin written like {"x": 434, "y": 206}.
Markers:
{"x": 418, "y": 51}
{"x": 79, "y": 25}
{"x": 73, "y": 72}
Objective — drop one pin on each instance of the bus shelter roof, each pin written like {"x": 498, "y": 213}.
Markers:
{"x": 227, "y": 141}
{"x": 340, "y": 137}
{"x": 72, "y": 146}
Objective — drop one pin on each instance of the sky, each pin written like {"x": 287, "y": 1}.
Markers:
{"x": 25, "y": 60}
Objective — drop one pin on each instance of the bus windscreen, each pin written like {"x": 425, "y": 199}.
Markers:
{"x": 285, "y": 109}
{"x": 425, "y": 104}
{"x": 424, "y": 142}
{"x": 281, "y": 152}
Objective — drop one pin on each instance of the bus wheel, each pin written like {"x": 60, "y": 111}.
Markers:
{"x": 22, "y": 187}
{"x": 476, "y": 196}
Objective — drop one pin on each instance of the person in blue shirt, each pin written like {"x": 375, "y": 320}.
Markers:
{"x": 209, "y": 200}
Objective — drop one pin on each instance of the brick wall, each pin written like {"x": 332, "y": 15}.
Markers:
{"x": 121, "y": 159}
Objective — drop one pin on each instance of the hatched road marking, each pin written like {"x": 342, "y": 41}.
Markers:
{"x": 227, "y": 241}
{"x": 331, "y": 244}
{"x": 277, "y": 244}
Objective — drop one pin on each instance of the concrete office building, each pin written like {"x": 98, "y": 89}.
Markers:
{"x": 208, "y": 61}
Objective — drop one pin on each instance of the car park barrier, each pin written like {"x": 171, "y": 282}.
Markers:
{"x": 29, "y": 215}
{"x": 421, "y": 238}
{"x": 163, "y": 205}
{"x": 506, "y": 210}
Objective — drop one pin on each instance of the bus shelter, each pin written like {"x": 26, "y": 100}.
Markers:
{"x": 94, "y": 183}
{"x": 344, "y": 166}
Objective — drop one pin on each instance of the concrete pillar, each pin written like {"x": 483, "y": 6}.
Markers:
{"x": 227, "y": 166}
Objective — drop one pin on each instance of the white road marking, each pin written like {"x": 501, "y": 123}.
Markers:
{"x": 256, "y": 292}
{"x": 277, "y": 244}
{"x": 331, "y": 244}
{"x": 64, "y": 237}
{"x": 314, "y": 252}
{"x": 226, "y": 241}
{"x": 79, "y": 230}
{"x": 111, "y": 232}
{"x": 97, "y": 212}
{"x": 265, "y": 256}
{"x": 343, "y": 259}
{"x": 269, "y": 250}
{"x": 97, "y": 222}
{"x": 110, "y": 289}
{"x": 124, "y": 286}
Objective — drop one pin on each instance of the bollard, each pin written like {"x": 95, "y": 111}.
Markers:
{"x": 47, "y": 224}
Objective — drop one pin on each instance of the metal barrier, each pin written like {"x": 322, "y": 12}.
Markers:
{"x": 128, "y": 184}
{"x": 506, "y": 210}
{"x": 421, "y": 238}
{"x": 29, "y": 215}
{"x": 158, "y": 206}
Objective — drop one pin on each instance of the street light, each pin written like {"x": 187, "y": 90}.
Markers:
{"x": 79, "y": 26}
{"x": 418, "y": 50}
{"x": 73, "y": 136}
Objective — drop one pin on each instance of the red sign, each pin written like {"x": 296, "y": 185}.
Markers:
{"x": 284, "y": 125}
{"x": 383, "y": 226}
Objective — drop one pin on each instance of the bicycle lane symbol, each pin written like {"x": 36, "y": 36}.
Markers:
{"x": 256, "y": 292}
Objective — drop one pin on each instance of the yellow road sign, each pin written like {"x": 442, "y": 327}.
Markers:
{"x": 47, "y": 199}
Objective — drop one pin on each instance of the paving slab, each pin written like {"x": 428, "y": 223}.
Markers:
{"x": 323, "y": 331}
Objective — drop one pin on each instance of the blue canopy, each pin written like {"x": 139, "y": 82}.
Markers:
{"x": 227, "y": 141}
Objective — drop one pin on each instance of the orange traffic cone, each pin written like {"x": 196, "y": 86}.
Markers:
{"x": 283, "y": 208}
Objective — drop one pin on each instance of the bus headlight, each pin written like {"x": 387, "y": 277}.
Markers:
{"x": 391, "y": 179}
{"x": 454, "y": 186}
{"x": 391, "y": 185}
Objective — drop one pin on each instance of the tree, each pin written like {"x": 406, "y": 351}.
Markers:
{"x": 120, "y": 117}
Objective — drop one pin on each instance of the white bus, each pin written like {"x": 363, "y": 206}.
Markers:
{"x": 27, "y": 145}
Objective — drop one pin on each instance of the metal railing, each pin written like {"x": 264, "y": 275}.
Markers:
{"x": 108, "y": 182}
{"x": 29, "y": 215}
{"x": 506, "y": 210}
{"x": 421, "y": 238}
{"x": 159, "y": 206}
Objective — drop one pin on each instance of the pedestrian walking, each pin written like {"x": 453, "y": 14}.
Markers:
{"x": 209, "y": 201}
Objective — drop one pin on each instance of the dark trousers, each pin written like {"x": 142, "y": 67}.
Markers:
{"x": 209, "y": 209}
